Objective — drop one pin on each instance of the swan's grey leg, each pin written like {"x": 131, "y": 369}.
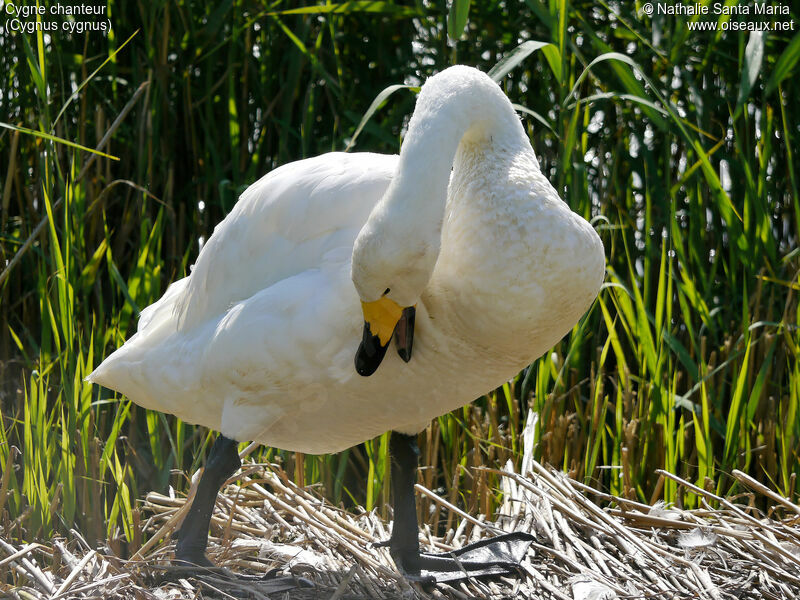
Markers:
{"x": 193, "y": 535}
{"x": 404, "y": 542}
{"x": 500, "y": 555}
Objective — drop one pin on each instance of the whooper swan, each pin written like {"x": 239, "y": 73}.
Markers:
{"x": 459, "y": 246}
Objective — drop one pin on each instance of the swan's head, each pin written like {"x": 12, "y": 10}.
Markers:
{"x": 392, "y": 263}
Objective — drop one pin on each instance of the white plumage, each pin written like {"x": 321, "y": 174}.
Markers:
{"x": 258, "y": 342}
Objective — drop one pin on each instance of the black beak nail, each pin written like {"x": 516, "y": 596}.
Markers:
{"x": 370, "y": 353}
{"x": 404, "y": 333}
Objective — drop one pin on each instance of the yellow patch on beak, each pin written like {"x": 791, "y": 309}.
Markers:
{"x": 382, "y": 316}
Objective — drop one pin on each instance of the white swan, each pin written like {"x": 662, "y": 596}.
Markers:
{"x": 258, "y": 342}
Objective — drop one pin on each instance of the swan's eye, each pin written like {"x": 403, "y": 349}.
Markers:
{"x": 386, "y": 291}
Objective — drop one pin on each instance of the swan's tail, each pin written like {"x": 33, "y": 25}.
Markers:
{"x": 139, "y": 368}
{"x": 122, "y": 371}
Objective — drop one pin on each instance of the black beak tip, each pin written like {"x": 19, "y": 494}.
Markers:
{"x": 364, "y": 366}
{"x": 370, "y": 353}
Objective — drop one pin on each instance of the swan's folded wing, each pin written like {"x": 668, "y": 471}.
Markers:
{"x": 283, "y": 225}
{"x": 283, "y": 352}
{"x": 242, "y": 370}
{"x": 283, "y": 253}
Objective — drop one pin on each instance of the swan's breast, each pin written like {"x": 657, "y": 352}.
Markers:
{"x": 518, "y": 268}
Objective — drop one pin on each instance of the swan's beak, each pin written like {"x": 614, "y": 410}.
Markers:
{"x": 382, "y": 318}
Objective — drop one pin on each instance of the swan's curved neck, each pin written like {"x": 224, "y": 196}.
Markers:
{"x": 399, "y": 245}
{"x": 456, "y": 107}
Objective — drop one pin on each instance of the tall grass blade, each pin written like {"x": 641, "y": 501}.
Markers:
{"x": 457, "y": 19}
{"x": 751, "y": 67}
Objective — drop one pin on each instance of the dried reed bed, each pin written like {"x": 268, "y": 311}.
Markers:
{"x": 264, "y": 522}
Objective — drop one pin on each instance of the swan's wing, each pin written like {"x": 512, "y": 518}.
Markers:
{"x": 288, "y": 224}
{"x": 283, "y": 225}
{"x": 260, "y": 368}
{"x": 285, "y": 350}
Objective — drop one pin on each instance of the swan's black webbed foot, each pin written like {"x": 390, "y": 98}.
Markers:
{"x": 192, "y": 559}
{"x": 501, "y": 555}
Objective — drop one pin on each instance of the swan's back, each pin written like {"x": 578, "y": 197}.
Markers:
{"x": 283, "y": 225}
